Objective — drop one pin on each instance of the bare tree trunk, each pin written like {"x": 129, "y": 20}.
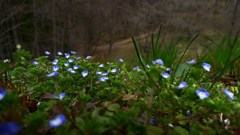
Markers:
{"x": 36, "y": 35}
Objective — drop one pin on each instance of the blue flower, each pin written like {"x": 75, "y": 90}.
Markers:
{"x": 137, "y": 68}
{"x": 115, "y": 70}
{"x": 58, "y": 121}
{"x": 59, "y": 53}
{"x": 103, "y": 78}
{"x": 206, "y": 66}
{"x": 70, "y": 60}
{"x": 98, "y": 73}
{"x": 2, "y": 94}
{"x": 157, "y": 61}
{"x": 66, "y": 64}
{"x": 60, "y": 97}
{"x": 101, "y": 65}
{"x": 228, "y": 94}
{"x": 78, "y": 58}
{"x": 121, "y": 60}
{"x": 67, "y": 55}
{"x": 84, "y": 73}
{"x": 73, "y": 52}
{"x": 9, "y": 128}
{"x": 55, "y": 73}
{"x": 76, "y": 66}
{"x": 202, "y": 93}
{"x": 71, "y": 70}
{"x": 147, "y": 66}
{"x": 55, "y": 61}
{"x": 182, "y": 85}
{"x": 153, "y": 122}
{"x": 191, "y": 62}
{"x": 165, "y": 75}
{"x": 35, "y": 63}
{"x": 55, "y": 68}
{"x": 168, "y": 69}
{"x": 47, "y": 53}
{"x": 88, "y": 57}
{"x": 104, "y": 74}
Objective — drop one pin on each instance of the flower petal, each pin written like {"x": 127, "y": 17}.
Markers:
{"x": 2, "y": 94}
{"x": 136, "y": 68}
{"x": 165, "y": 75}
{"x": 182, "y": 85}
{"x": 115, "y": 70}
{"x": 101, "y": 65}
{"x": 58, "y": 120}
{"x": 67, "y": 55}
{"x": 47, "y": 53}
{"x": 55, "y": 68}
{"x": 191, "y": 62}
{"x": 84, "y": 73}
{"x": 55, "y": 61}
{"x": 88, "y": 57}
{"x": 206, "y": 66}
{"x": 103, "y": 78}
{"x": 202, "y": 93}
{"x": 229, "y": 94}
{"x": 158, "y": 61}
{"x": 55, "y": 73}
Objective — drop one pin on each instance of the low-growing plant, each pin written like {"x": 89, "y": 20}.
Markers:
{"x": 67, "y": 94}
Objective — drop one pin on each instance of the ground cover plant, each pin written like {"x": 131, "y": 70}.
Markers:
{"x": 68, "y": 94}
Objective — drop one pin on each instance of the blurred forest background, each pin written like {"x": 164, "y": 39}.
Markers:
{"x": 86, "y": 25}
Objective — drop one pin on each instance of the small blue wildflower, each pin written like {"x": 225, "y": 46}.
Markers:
{"x": 103, "y": 78}
{"x": 2, "y": 94}
{"x": 78, "y": 58}
{"x": 165, "y": 75}
{"x": 66, "y": 64}
{"x": 98, "y": 73}
{"x": 136, "y": 68}
{"x": 115, "y": 70}
{"x": 73, "y": 52}
{"x": 67, "y": 55}
{"x": 84, "y": 73}
{"x": 58, "y": 121}
{"x": 101, "y": 65}
{"x": 55, "y": 61}
{"x": 191, "y": 62}
{"x": 228, "y": 94}
{"x": 168, "y": 69}
{"x": 157, "y": 61}
{"x": 121, "y": 60}
{"x": 104, "y": 74}
{"x": 59, "y": 53}
{"x": 55, "y": 73}
{"x": 182, "y": 85}
{"x": 153, "y": 121}
{"x": 55, "y": 68}
{"x": 35, "y": 63}
{"x": 206, "y": 66}
{"x": 9, "y": 128}
{"x": 70, "y": 60}
{"x": 71, "y": 70}
{"x": 76, "y": 66}
{"x": 47, "y": 53}
{"x": 60, "y": 97}
{"x": 202, "y": 93}
{"x": 88, "y": 57}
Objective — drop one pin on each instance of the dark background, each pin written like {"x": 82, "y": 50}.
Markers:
{"x": 84, "y": 25}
